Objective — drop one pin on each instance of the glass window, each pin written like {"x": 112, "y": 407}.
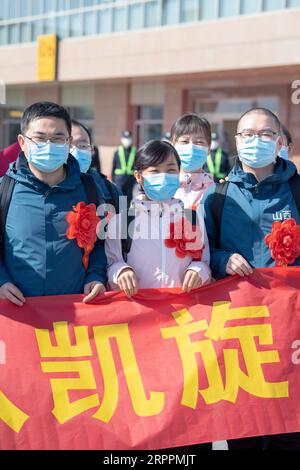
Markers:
{"x": 24, "y": 8}
{"x": 189, "y": 10}
{"x": 170, "y": 11}
{"x": 75, "y": 4}
{"x": 3, "y": 30}
{"x": 49, "y": 26}
{"x": 25, "y": 32}
{"x": 151, "y": 14}
{"x": 88, "y": 3}
{"x": 104, "y": 21}
{"x": 228, "y": 8}
{"x": 49, "y": 6}
{"x": 13, "y": 33}
{"x": 37, "y": 7}
{"x": 273, "y": 5}
{"x": 270, "y": 102}
{"x": 62, "y": 5}
{"x": 1, "y": 10}
{"x": 293, "y": 3}
{"x": 75, "y": 25}
{"x": 90, "y": 23}
{"x": 62, "y": 26}
{"x": 208, "y": 9}
{"x": 136, "y": 16}
{"x": 120, "y": 19}
{"x": 150, "y": 112}
{"x": 250, "y": 6}
{"x": 12, "y": 9}
{"x": 37, "y": 29}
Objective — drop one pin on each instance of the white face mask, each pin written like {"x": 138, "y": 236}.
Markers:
{"x": 214, "y": 144}
{"x": 126, "y": 142}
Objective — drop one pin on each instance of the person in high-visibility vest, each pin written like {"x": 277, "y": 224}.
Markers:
{"x": 217, "y": 164}
{"x": 123, "y": 165}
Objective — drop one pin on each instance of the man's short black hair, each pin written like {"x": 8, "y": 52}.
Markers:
{"x": 265, "y": 111}
{"x": 79, "y": 124}
{"x": 43, "y": 109}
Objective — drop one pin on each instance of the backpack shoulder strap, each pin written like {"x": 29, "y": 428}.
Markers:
{"x": 127, "y": 242}
{"x": 218, "y": 203}
{"x": 6, "y": 191}
{"x": 114, "y": 200}
{"x": 90, "y": 188}
{"x": 295, "y": 188}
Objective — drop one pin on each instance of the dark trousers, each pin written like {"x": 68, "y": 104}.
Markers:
{"x": 276, "y": 442}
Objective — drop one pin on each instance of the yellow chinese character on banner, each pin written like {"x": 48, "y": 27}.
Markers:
{"x": 252, "y": 381}
{"x": 11, "y": 415}
{"x": 188, "y": 350}
{"x": 141, "y": 404}
{"x": 63, "y": 409}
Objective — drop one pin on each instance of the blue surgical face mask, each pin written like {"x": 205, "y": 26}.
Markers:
{"x": 161, "y": 186}
{"x": 48, "y": 157}
{"x": 258, "y": 153}
{"x": 83, "y": 157}
{"x": 192, "y": 157}
{"x": 284, "y": 153}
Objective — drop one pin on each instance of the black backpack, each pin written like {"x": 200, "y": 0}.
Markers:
{"x": 219, "y": 198}
{"x": 7, "y": 188}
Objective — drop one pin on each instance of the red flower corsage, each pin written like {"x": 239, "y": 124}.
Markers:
{"x": 186, "y": 238}
{"x": 284, "y": 242}
{"x": 83, "y": 221}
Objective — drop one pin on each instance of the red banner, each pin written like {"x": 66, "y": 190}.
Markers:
{"x": 163, "y": 370}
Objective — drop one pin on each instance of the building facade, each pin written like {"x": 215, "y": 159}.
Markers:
{"x": 140, "y": 64}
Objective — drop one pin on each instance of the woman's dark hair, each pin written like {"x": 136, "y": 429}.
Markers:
{"x": 154, "y": 153}
{"x": 44, "y": 109}
{"x": 287, "y": 134}
{"x": 190, "y": 124}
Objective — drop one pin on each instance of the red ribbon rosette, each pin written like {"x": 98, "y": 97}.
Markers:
{"x": 284, "y": 242}
{"x": 83, "y": 221}
{"x": 186, "y": 239}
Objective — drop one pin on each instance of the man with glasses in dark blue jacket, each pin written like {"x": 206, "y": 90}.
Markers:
{"x": 44, "y": 184}
{"x": 261, "y": 189}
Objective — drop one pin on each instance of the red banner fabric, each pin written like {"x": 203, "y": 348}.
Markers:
{"x": 164, "y": 369}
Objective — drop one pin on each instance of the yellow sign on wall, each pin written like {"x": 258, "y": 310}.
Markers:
{"x": 47, "y": 54}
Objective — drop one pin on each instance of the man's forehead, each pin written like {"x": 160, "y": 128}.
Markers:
{"x": 43, "y": 123}
{"x": 79, "y": 133}
{"x": 256, "y": 121}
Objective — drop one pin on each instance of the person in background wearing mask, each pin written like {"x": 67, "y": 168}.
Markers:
{"x": 123, "y": 166}
{"x": 83, "y": 150}
{"x": 81, "y": 147}
{"x": 191, "y": 136}
{"x": 38, "y": 259}
{"x": 217, "y": 164}
{"x": 258, "y": 193}
{"x": 287, "y": 146}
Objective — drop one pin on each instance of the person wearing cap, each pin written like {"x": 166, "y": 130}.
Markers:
{"x": 123, "y": 166}
{"x": 217, "y": 164}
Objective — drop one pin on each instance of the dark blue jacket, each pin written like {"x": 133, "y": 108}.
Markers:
{"x": 249, "y": 212}
{"x": 38, "y": 257}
